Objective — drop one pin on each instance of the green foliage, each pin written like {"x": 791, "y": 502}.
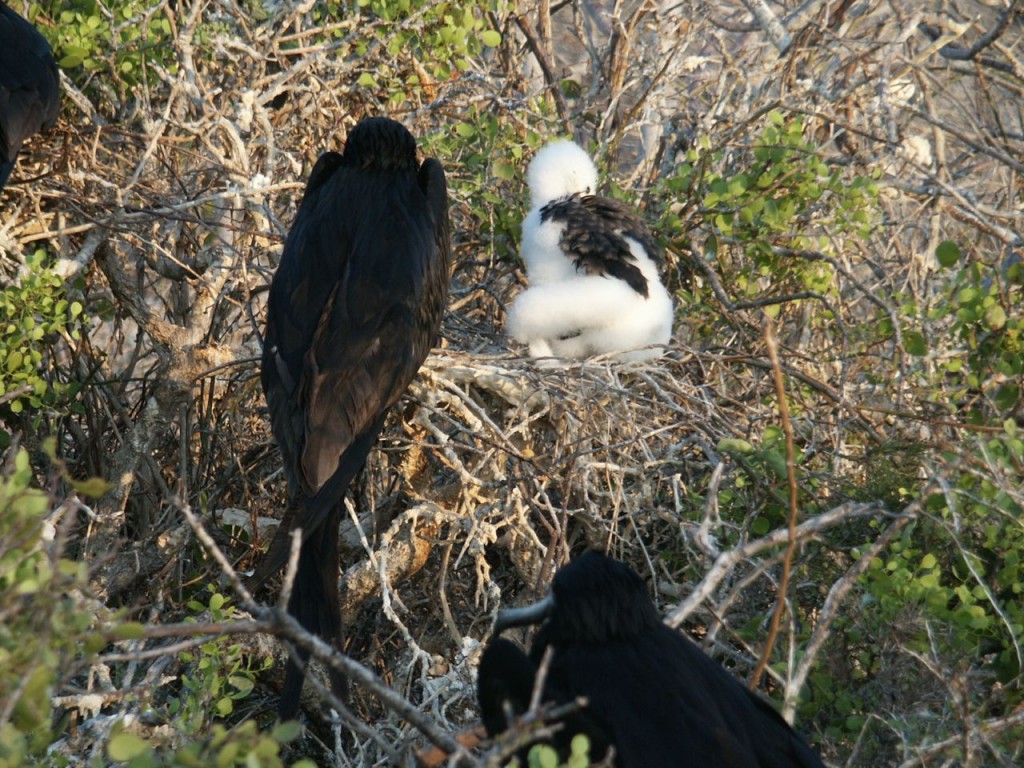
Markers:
{"x": 433, "y": 38}
{"x": 543, "y": 756}
{"x": 122, "y": 39}
{"x": 47, "y": 630}
{"x": 486, "y": 158}
{"x": 34, "y": 314}
{"x": 219, "y": 674}
{"x": 243, "y": 745}
{"x": 983, "y": 306}
{"x": 44, "y": 625}
{"x": 217, "y": 677}
{"x": 948, "y": 587}
{"x": 780, "y": 204}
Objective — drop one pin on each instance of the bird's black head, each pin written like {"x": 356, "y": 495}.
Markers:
{"x": 599, "y": 600}
{"x": 380, "y": 143}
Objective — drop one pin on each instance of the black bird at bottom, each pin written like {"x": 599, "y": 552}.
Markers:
{"x": 652, "y": 693}
{"x": 29, "y": 86}
{"x": 354, "y": 308}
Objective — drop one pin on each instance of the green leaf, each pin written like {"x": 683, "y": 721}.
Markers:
{"x": 503, "y": 170}
{"x": 49, "y": 447}
{"x": 94, "y": 487}
{"x": 242, "y": 684}
{"x": 947, "y": 253}
{"x": 130, "y": 630}
{"x": 542, "y": 756}
{"x": 286, "y": 732}
{"x": 734, "y": 445}
{"x": 126, "y": 746}
{"x": 580, "y": 745}
{"x": 915, "y": 344}
{"x": 491, "y": 38}
{"x": 711, "y": 247}
{"x": 995, "y": 318}
{"x": 367, "y": 80}
{"x": 73, "y": 57}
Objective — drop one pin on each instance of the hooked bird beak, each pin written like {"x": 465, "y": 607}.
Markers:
{"x": 528, "y": 614}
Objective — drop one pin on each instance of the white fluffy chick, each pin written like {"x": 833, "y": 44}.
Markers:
{"x": 594, "y": 285}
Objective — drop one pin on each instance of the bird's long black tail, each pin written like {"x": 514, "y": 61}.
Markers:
{"x": 5, "y": 172}
{"x": 316, "y": 603}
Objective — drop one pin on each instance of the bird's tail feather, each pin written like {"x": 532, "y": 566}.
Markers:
{"x": 5, "y": 172}
{"x": 316, "y": 604}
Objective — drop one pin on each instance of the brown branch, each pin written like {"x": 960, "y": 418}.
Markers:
{"x": 725, "y": 562}
{"x": 794, "y": 511}
{"x": 959, "y": 53}
{"x": 536, "y": 45}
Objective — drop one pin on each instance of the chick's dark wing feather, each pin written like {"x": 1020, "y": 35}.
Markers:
{"x": 594, "y": 235}
{"x": 505, "y": 681}
{"x": 651, "y": 712}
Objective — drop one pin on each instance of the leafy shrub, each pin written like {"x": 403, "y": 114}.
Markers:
{"x": 35, "y": 313}
{"x": 49, "y": 630}
{"x": 777, "y": 205}
{"x": 242, "y": 745}
{"x": 44, "y": 626}
{"x": 485, "y": 157}
{"x": 122, "y": 38}
{"x": 219, "y": 674}
{"x": 438, "y": 39}
{"x": 983, "y": 308}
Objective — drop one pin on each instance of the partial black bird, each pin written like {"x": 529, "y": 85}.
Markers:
{"x": 652, "y": 694}
{"x": 29, "y": 86}
{"x": 354, "y": 308}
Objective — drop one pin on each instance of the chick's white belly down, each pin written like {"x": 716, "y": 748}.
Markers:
{"x": 591, "y": 315}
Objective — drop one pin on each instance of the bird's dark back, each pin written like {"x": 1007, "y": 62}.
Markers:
{"x": 657, "y": 696}
{"x": 355, "y": 305}
{"x": 29, "y": 83}
{"x": 361, "y": 225}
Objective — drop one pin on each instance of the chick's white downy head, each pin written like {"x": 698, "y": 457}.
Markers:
{"x": 561, "y": 168}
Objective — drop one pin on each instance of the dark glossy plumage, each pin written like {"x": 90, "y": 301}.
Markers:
{"x": 652, "y": 693}
{"x": 29, "y": 86}
{"x": 595, "y": 235}
{"x": 354, "y": 308}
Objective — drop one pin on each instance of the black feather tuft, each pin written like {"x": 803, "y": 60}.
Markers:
{"x": 595, "y": 236}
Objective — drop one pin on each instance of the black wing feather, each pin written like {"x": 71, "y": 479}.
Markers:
{"x": 29, "y": 86}
{"x": 354, "y": 308}
{"x": 595, "y": 235}
{"x": 653, "y": 695}
{"x": 663, "y": 702}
